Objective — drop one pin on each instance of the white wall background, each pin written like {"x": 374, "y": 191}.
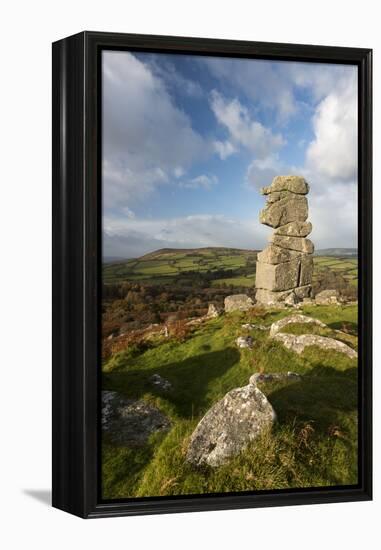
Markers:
{"x": 27, "y": 29}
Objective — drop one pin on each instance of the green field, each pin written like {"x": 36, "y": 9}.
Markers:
{"x": 313, "y": 443}
{"x": 347, "y": 267}
{"x": 168, "y": 266}
{"x": 163, "y": 266}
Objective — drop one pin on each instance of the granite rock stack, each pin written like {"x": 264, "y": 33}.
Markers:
{"x": 285, "y": 266}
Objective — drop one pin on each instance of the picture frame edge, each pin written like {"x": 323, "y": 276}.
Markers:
{"x": 76, "y": 248}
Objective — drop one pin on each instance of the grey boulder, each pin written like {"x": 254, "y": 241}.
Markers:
{"x": 229, "y": 426}
{"x": 238, "y": 302}
{"x": 130, "y": 422}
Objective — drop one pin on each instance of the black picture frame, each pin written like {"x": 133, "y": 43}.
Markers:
{"x": 76, "y": 272}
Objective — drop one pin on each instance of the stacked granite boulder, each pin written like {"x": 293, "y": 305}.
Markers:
{"x": 285, "y": 266}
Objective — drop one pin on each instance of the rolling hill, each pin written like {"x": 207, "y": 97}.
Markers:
{"x": 220, "y": 266}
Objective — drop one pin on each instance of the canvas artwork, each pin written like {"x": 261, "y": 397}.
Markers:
{"x": 229, "y": 275}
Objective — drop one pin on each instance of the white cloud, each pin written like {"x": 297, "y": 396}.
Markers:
{"x": 146, "y": 138}
{"x": 260, "y": 81}
{"x": 334, "y": 216}
{"x": 224, "y": 149}
{"x": 273, "y": 84}
{"x": 242, "y": 128}
{"x": 132, "y": 238}
{"x": 333, "y": 152}
{"x": 203, "y": 181}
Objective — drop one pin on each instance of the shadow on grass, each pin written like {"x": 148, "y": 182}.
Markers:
{"x": 190, "y": 379}
{"x": 320, "y": 397}
{"x": 346, "y": 326}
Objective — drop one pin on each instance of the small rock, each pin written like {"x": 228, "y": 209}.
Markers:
{"x": 160, "y": 382}
{"x": 244, "y": 342}
{"x": 238, "y": 302}
{"x": 298, "y": 343}
{"x": 250, "y": 326}
{"x": 274, "y": 376}
{"x": 327, "y": 297}
{"x": 291, "y": 300}
{"x": 293, "y": 319}
{"x": 213, "y": 311}
{"x": 229, "y": 426}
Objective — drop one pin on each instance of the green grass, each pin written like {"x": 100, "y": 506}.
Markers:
{"x": 314, "y": 442}
{"x": 162, "y": 266}
{"x": 168, "y": 263}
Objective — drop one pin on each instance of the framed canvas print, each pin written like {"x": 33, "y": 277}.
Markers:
{"x": 211, "y": 274}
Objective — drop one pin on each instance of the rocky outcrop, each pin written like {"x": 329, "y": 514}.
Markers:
{"x": 293, "y": 319}
{"x": 130, "y": 422}
{"x": 229, "y": 426}
{"x": 298, "y": 343}
{"x": 285, "y": 267}
{"x": 238, "y": 302}
{"x": 327, "y": 297}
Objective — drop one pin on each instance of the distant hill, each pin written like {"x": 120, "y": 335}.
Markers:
{"x": 214, "y": 266}
{"x": 203, "y": 251}
{"x": 168, "y": 265}
{"x": 337, "y": 252}
{"x": 114, "y": 259}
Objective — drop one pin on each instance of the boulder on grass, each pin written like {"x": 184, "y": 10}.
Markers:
{"x": 238, "y": 302}
{"x": 229, "y": 426}
{"x": 327, "y": 297}
{"x": 300, "y": 342}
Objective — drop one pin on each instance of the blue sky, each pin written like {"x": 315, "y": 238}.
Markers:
{"x": 189, "y": 140}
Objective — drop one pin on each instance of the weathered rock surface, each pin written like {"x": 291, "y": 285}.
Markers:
{"x": 294, "y": 229}
{"x": 213, "y": 311}
{"x": 291, "y": 300}
{"x": 238, "y": 302}
{"x": 326, "y": 297}
{"x": 130, "y": 422}
{"x": 160, "y": 382}
{"x": 294, "y": 184}
{"x": 276, "y": 255}
{"x": 306, "y": 270}
{"x": 244, "y": 342}
{"x": 229, "y": 426}
{"x": 271, "y": 297}
{"x": 278, "y": 276}
{"x": 298, "y": 343}
{"x": 273, "y": 377}
{"x": 285, "y": 267}
{"x": 300, "y": 244}
{"x": 292, "y": 320}
{"x": 250, "y": 326}
{"x": 285, "y": 211}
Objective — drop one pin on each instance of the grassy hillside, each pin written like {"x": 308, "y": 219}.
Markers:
{"x": 314, "y": 442}
{"x": 169, "y": 265}
{"x": 224, "y": 266}
{"x": 347, "y": 267}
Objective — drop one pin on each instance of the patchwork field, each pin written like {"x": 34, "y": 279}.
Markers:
{"x": 220, "y": 266}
